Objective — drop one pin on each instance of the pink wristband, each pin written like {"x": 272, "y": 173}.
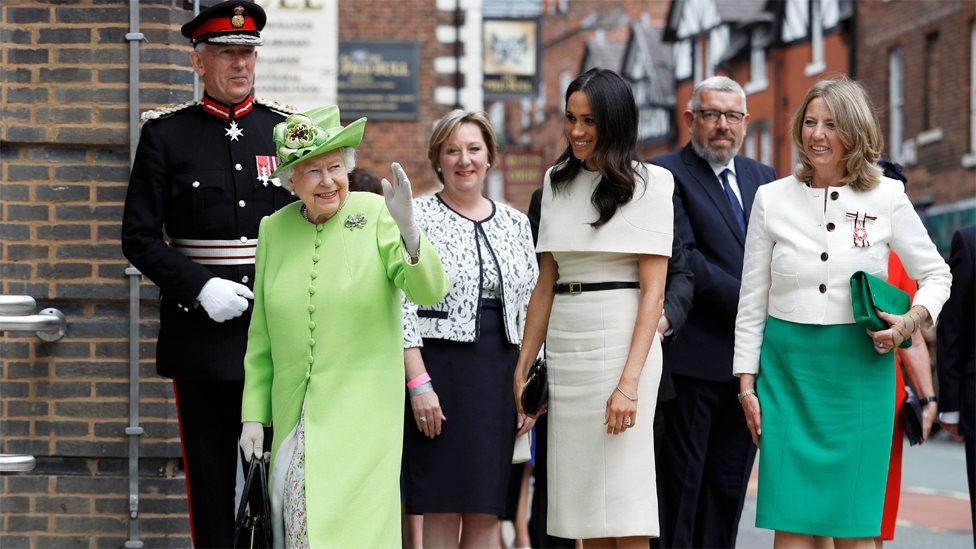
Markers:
{"x": 419, "y": 380}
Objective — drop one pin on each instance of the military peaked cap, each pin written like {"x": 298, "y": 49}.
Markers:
{"x": 237, "y": 22}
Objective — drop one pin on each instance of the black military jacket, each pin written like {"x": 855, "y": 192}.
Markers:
{"x": 196, "y": 176}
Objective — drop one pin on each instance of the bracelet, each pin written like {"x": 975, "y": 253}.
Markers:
{"x": 746, "y": 393}
{"x": 421, "y": 389}
{"x": 419, "y": 380}
{"x": 628, "y": 397}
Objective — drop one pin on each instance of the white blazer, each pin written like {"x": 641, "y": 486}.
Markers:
{"x": 804, "y": 244}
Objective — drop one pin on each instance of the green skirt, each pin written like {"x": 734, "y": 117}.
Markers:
{"x": 827, "y": 413}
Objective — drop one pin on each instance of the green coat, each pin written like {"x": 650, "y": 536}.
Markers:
{"x": 326, "y": 334}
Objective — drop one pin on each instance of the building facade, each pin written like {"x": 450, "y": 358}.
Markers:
{"x": 916, "y": 59}
{"x": 65, "y": 154}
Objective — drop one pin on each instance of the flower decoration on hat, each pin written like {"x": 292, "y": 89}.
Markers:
{"x": 297, "y": 136}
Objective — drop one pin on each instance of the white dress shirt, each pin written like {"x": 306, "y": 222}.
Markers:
{"x": 801, "y": 251}
{"x": 733, "y": 179}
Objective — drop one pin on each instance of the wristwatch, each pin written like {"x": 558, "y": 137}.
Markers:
{"x": 746, "y": 393}
{"x": 925, "y": 400}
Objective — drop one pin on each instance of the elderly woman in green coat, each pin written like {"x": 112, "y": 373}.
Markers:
{"x": 324, "y": 361}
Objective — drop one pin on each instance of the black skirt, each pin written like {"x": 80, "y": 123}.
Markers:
{"x": 466, "y": 468}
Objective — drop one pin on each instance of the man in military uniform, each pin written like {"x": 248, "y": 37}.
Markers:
{"x": 198, "y": 190}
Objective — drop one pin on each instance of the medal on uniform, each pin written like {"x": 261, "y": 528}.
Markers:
{"x": 232, "y": 131}
{"x": 266, "y": 166}
{"x": 859, "y": 228}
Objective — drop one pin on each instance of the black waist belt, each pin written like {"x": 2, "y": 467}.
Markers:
{"x": 575, "y": 288}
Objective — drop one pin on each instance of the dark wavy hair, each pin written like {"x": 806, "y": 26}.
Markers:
{"x": 615, "y": 113}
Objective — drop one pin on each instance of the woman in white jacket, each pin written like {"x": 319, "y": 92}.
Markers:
{"x": 815, "y": 388}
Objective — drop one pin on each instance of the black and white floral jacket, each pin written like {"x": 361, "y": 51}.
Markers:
{"x": 455, "y": 237}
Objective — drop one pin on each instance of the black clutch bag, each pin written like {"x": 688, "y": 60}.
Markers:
{"x": 252, "y": 529}
{"x": 911, "y": 417}
{"x": 536, "y": 391}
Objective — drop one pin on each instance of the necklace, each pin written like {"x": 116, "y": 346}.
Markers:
{"x": 304, "y": 212}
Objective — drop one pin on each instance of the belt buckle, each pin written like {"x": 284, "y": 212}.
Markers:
{"x": 575, "y": 288}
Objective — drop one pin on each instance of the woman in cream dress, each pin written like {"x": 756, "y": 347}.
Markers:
{"x": 604, "y": 240}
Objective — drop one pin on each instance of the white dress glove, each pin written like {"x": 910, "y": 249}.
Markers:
{"x": 252, "y": 439}
{"x": 224, "y": 299}
{"x": 399, "y": 200}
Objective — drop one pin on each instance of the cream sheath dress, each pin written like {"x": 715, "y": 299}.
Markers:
{"x": 601, "y": 485}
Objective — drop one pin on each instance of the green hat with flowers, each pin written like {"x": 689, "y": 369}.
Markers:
{"x": 305, "y": 135}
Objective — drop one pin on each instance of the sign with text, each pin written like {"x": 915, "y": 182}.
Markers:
{"x": 379, "y": 80}
{"x": 524, "y": 169}
{"x": 510, "y": 57}
{"x": 286, "y": 71}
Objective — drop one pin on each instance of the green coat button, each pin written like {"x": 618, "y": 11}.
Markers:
{"x": 311, "y": 290}
{"x": 319, "y": 227}
{"x": 318, "y": 242}
{"x": 311, "y": 342}
{"x": 311, "y": 325}
{"x": 311, "y": 359}
{"x": 315, "y": 258}
{"x": 311, "y": 308}
{"x": 313, "y": 274}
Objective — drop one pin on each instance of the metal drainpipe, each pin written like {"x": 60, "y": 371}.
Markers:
{"x": 196, "y": 77}
{"x": 133, "y": 431}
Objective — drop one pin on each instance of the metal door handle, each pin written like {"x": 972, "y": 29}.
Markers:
{"x": 13, "y": 463}
{"x": 15, "y": 316}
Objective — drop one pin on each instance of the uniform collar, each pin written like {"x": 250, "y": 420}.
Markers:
{"x": 227, "y": 112}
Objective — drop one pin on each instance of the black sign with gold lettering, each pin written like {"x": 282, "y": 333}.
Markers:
{"x": 379, "y": 80}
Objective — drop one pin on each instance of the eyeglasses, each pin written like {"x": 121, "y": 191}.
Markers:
{"x": 712, "y": 116}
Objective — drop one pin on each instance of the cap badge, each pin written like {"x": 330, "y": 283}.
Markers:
{"x": 237, "y": 21}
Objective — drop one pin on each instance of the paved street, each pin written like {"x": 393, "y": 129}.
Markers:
{"x": 934, "y": 509}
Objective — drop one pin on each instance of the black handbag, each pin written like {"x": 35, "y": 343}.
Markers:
{"x": 911, "y": 417}
{"x": 252, "y": 529}
{"x": 535, "y": 394}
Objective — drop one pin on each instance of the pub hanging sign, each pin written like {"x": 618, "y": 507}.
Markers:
{"x": 511, "y": 57}
{"x": 379, "y": 80}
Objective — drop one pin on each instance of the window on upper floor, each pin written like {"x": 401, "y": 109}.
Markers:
{"x": 757, "y": 61}
{"x": 969, "y": 159}
{"x": 766, "y": 145}
{"x": 698, "y": 59}
{"x": 539, "y": 114}
{"x": 718, "y": 42}
{"x": 817, "y": 63}
{"x": 896, "y": 99}
{"x": 929, "y": 82}
{"x": 683, "y": 59}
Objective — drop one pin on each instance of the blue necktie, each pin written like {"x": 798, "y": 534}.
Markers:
{"x": 737, "y": 213}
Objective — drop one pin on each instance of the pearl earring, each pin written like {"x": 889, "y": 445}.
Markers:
{"x": 438, "y": 168}
{"x": 487, "y": 165}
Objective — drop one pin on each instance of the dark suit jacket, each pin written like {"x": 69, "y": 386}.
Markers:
{"x": 705, "y": 224}
{"x": 957, "y": 334}
{"x": 678, "y": 290}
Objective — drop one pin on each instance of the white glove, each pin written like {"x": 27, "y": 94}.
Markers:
{"x": 399, "y": 200}
{"x": 252, "y": 439}
{"x": 224, "y": 299}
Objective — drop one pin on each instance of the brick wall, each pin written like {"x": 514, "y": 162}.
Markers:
{"x": 938, "y": 175}
{"x": 401, "y": 141}
{"x": 564, "y": 43}
{"x": 65, "y": 165}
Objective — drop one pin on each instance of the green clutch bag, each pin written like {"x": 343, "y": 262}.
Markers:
{"x": 869, "y": 293}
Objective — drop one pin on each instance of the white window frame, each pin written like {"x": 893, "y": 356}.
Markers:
{"x": 969, "y": 159}
{"x": 766, "y": 146}
{"x": 698, "y": 59}
{"x": 817, "y": 63}
{"x": 896, "y": 101}
{"x": 757, "y": 63}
